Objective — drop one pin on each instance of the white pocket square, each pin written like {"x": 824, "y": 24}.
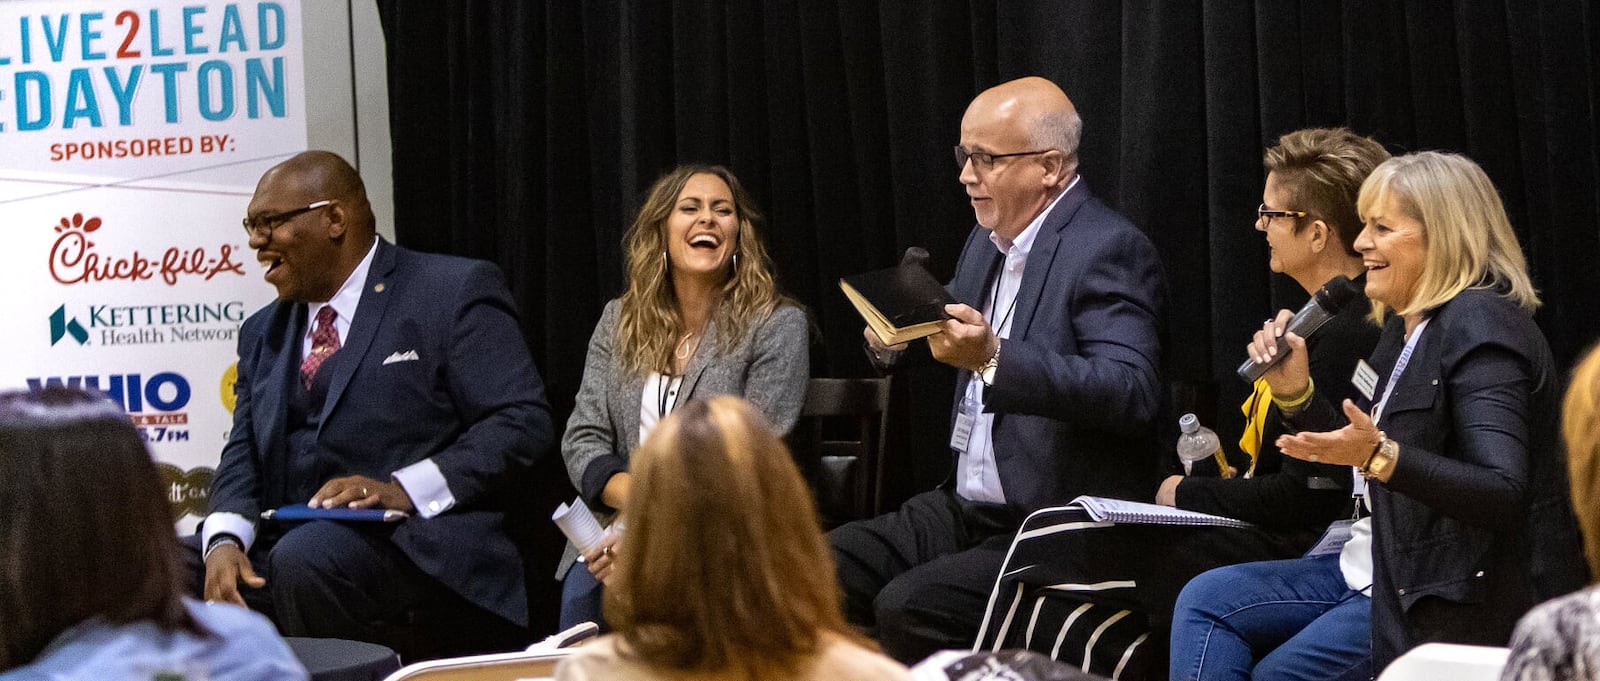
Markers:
{"x": 407, "y": 356}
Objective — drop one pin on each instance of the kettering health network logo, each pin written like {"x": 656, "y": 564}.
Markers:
{"x": 149, "y": 324}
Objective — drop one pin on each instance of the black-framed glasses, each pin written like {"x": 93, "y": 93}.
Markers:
{"x": 1265, "y": 214}
{"x": 262, "y": 225}
{"x": 984, "y": 161}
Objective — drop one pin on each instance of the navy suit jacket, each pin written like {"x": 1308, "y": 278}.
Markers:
{"x": 471, "y": 401}
{"x": 1078, "y": 385}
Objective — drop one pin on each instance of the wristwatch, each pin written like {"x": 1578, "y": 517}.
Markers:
{"x": 986, "y": 372}
{"x": 1380, "y": 465}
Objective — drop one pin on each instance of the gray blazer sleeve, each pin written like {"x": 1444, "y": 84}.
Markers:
{"x": 592, "y": 437}
{"x": 780, "y": 364}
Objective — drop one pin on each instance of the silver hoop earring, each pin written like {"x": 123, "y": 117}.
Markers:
{"x": 735, "y": 261}
{"x": 665, "y": 263}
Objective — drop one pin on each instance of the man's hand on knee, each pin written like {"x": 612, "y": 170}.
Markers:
{"x": 227, "y": 566}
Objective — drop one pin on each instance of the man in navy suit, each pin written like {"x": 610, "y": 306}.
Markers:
{"x": 381, "y": 378}
{"x": 1058, "y": 388}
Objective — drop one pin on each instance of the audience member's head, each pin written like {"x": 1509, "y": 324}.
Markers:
{"x": 724, "y": 565}
{"x": 310, "y": 225}
{"x": 1018, "y": 151}
{"x": 671, "y": 240}
{"x": 1580, "y": 425}
{"x": 84, "y": 529}
{"x": 1454, "y": 231}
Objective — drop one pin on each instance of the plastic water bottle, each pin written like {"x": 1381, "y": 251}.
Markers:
{"x": 1198, "y": 442}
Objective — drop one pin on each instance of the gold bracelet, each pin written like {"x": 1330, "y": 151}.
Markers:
{"x": 1302, "y": 398}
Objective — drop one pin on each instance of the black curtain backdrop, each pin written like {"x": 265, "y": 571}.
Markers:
{"x": 526, "y": 133}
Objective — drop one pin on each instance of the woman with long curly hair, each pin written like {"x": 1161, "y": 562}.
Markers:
{"x": 701, "y": 316}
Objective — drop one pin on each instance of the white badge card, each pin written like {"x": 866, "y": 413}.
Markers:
{"x": 962, "y": 432}
{"x": 1365, "y": 379}
{"x": 1333, "y": 539}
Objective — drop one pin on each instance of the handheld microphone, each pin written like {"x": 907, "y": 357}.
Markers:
{"x": 1327, "y": 302}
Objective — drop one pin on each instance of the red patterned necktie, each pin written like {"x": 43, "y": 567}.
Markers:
{"x": 324, "y": 342}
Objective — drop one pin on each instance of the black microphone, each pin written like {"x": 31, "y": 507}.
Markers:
{"x": 1331, "y": 298}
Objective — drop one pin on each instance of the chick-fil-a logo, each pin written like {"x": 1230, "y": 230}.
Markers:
{"x": 73, "y": 259}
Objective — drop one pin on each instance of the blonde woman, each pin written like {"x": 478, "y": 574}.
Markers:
{"x": 1561, "y": 639}
{"x": 723, "y": 572}
{"x": 701, "y": 316}
{"x": 1456, "y": 444}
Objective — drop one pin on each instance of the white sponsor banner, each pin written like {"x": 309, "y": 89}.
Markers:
{"x": 131, "y": 137}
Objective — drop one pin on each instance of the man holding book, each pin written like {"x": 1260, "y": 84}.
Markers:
{"x": 1056, "y": 336}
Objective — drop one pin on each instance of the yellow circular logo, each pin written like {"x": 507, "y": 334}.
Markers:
{"x": 229, "y": 376}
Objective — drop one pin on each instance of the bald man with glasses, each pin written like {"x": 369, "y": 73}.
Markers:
{"x": 381, "y": 378}
{"x": 1056, "y": 343}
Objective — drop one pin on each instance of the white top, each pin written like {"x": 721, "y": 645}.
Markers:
{"x": 977, "y": 478}
{"x": 1355, "y": 559}
{"x": 659, "y": 397}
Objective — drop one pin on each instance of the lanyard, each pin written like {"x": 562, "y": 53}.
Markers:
{"x": 1399, "y": 368}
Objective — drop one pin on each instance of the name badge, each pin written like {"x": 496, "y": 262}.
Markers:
{"x": 1333, "y": 539}
{"x": 962, "y": 432}
{"x": 1365, "y": 379}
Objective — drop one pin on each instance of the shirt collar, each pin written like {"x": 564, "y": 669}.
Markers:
{"x": 1024, "y": 241}
{"x": 345, "y": 300}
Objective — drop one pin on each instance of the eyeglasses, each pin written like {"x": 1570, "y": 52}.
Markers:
{"x": 1265, "y": 214}
{"x": 262, "y": 225}
{"x": 982, "y": 161}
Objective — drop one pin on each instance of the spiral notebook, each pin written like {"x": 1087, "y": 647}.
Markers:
{"x": 1136, "y": 513}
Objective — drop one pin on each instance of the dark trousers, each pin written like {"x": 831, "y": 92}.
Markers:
{"x": 918, "y": 578}
{"x": 331, "y": 580}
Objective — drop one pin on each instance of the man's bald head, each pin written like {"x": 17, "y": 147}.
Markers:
{"x": 1019, "y": 151}
{"x": 1040, "y": 109}
{"x": 314, "y": 225}
{"x": 321, "y": 175}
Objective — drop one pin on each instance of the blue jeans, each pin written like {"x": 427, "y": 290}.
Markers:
{"x": 581, "y": 598}
{"x": 1280, "y": 619}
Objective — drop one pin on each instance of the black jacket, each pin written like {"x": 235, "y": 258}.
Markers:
{"x": 1475, "y": 526}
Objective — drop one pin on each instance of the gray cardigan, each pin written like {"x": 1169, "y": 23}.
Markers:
{"x": 768, "y": 367}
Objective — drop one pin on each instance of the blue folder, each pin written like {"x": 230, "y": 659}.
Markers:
{"x": 302, "y": 512}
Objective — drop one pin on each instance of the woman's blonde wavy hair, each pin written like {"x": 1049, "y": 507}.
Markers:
{"x": 723, "y": 570}
{"x": 1464, "y": 224}
{"x": 650, "y": 327}
{"x": 1580, "y": 427}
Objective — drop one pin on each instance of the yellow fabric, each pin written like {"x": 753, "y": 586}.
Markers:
{"x": 1255, "y": 419}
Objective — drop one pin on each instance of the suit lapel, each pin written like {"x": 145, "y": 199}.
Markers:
{"x": 279, "y": 364}
{"x": 375, "y": 295}
{"x": 698, "y": 363}
{"x": 1041, "y": 257}
{"x": 632, "y": 391}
